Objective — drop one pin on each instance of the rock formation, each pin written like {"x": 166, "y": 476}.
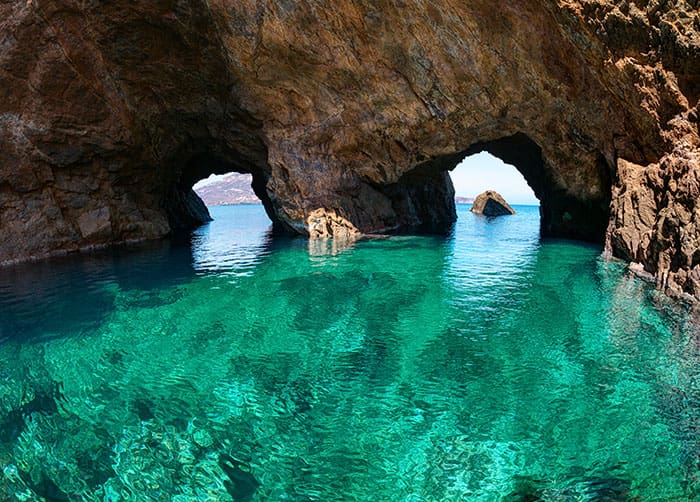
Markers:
{"x": 490, "y": 203}
{"x": 349, "y": 115}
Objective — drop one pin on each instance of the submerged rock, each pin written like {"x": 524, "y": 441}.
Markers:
{"x": 490, "y": 203}
{"x": 241, "y": 484}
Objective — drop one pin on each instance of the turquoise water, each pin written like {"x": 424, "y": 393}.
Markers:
{"x": 490, "y": 365}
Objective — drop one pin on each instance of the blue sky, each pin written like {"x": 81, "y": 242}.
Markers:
{"x": 483, "y": 171}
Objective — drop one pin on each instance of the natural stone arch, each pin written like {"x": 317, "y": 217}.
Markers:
{"x": 423, "y": 199}
{"x": 564, "y": 213}
{"x": 348, "y": 116}
{"x": 186, "y": 210}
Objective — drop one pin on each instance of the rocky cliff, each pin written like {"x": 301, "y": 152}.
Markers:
{"x": 349, "y": 115}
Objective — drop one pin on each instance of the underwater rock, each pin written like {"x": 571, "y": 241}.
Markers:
{"x": 490, "y": 203}
{"x": 45, "y": 488}
{"x": 525, "y": 490}
{"x": 241, "y": 484}
{"x": 144, "y": 409}
{"x": 612, "y": 489}
{"x": 13, "y": 423}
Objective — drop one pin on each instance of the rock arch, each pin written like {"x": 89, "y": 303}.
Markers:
{"x": 423, "y": 198}
{"x": 348, "y": 116}
{"x": 565, "y": 210}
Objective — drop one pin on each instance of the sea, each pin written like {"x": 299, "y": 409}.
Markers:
{"x": 488, "y": 364}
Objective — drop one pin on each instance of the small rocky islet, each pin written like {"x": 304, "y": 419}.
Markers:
{"x": 491, "y": 203}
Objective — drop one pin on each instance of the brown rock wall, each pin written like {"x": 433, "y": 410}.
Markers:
{"x": 348, "y": 115}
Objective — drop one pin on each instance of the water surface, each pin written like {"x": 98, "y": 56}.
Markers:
{"x": 488, "y": 365}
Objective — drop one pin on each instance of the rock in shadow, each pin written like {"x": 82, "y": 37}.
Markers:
{"x": 241, "y": 484}
{"x": 492, "y": 204}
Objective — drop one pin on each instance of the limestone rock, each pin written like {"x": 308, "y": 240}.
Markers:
{"x": 490, "y": 203}
{"x": 349, "y": 116}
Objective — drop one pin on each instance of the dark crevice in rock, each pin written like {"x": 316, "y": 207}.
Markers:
{"x": 259, "y": 186}
{"x": 185, "y": 209}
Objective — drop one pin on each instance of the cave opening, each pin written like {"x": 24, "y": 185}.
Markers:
{"x": 480, "y": 172}
{"x": 566, "y": 210}
{"x": 208, "y": 180}
{"x": 572, "y": 208}
{"x": 573, "y": 194}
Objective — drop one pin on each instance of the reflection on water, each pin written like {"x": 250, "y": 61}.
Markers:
{"x": 486, "y": 365}
{"x": 330, "y": 247}
{"x": 219, "y": 247}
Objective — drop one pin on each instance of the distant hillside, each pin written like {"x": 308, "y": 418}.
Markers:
{"x": 231, "y": 188}
{"x": 464, "y": 200}
{"x": 234, "y": 188}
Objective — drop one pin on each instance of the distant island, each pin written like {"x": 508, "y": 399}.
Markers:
{"x": 234, "y": 188}
{"x": 464, "y": 200}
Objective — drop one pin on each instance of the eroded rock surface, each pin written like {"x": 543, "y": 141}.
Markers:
{"x": 490, "y": 203}
{"x": 348, "y": 115}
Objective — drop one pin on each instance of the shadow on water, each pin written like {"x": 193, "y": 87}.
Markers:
{"x": 39, "y": 300}
{"x": 42, "y": 299}
{"x": 241, "y": 484}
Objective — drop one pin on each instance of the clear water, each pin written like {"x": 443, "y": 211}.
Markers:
{"x": 490, "y": 365}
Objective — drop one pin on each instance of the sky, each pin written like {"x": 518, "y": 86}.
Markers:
{"x": 483, "y": 171}
{"x": 472, "y": 176}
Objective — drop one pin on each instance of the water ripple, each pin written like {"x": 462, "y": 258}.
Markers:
{"x": 490, "y": 365}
